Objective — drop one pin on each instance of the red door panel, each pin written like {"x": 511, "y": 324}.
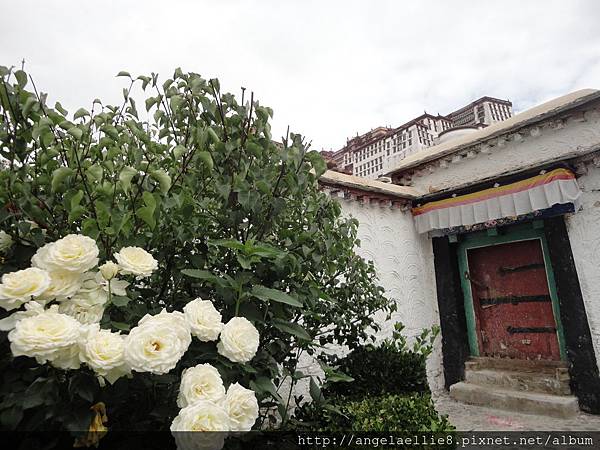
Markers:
{"x": 513, "y": 308}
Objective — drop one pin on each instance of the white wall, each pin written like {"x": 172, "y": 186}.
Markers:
{"x": 533, "y": 147}
{"x": 584, "y": 234}
{"x": 404, "y": 263}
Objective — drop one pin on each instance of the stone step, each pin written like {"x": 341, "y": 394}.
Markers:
{"x": 545, "y": 383}
{"x": 510, "y": 400}
{"x": 520, "y": 365}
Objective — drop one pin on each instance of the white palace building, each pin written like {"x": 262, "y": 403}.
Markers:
{"x": 493, "y": 235}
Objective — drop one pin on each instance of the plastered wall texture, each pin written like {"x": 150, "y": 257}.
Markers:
{"x": 584, "y": 234}
{"x": 403, "y": 260}
{"x": 531, "y": 147}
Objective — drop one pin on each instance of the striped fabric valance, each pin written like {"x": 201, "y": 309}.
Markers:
{"x": 522, "y": 197}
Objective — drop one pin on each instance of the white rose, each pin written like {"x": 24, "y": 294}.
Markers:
{"x": 136, "y": 261}
{"x": 102, "y": 351}
{"x": 19, "y": 287}
{"x": 204, "y": 319}
{"x": 47, "y": 337}
{"x": 202, "y": 382}
{"x": 6, "y": 241}
{"x": 242, "y": 407}
{"x": 31, "y": 309}
{"x": 63, "y": 285}
{"x": 239, "y": 340}
{"x": 73, "y": 253}
{"x": 203, "y": 415}
{"x": 175, "y": 320}
{"x": 83, "y": 312}
{"x": 158, "y": 342}
{"x": 109, "y": 270}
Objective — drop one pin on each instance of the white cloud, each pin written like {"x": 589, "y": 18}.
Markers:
{"x": 328, "y": 68}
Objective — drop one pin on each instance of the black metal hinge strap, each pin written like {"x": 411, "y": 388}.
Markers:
{"x": 505, "y": 270}
{"x": 513, "y": 330}
{"x": 514, "y": 299}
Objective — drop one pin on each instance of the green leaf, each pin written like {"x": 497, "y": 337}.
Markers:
{"x": 59, "y": 176}
{"x": 176, "y": 102}
{"x": 264, "y": 385}
{"x": 95, "y": 172}
{"x": 291, "y": 328}
{"x": 150, "y": 102}
{"x": 118, "y": 300}
{"x": 315, "y": 391}
{"x": 244, "y": 261}
{"x": 122, "y": 73}
{"x": 127, "y": 173}
{"x": 164, "y": 180}
{"x": 265, "y": 293}
{"x": 21, "y": 78}
{"x": 146, "y": 213}
{"x": 334, "y": 377}
{"x": 179, "y": 151}
{"x": 81, "y": 112}
{"x": 200, "y": 274}
{"x": 145, "y": 81}
{"x": 90, "y": 228}
{"x": 227, "y": 243}
{"x": 76, "y": 213}
{"x": 213, "y": 135}
{"x": 83, "y": 386}
{"x": 206, "y": 159}
{"x": 76, "y": 210}
{"x": 75, "y": 132}
{"x": 28, "y": 105}
{"x": 120, "y": 326}
{"x": 317, "y": 162}
{"x": 60, "y": 109}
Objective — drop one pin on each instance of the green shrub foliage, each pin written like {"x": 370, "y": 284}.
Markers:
{"x": 407, "y": 412}
{"x": 390, "y": 367}
{"x": 414, "y": 412}
{"x": 383, "y": 388}
{"x": 194, "y": 176}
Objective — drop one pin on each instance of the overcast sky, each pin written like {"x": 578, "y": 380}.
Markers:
{"x": 329, "y": 69}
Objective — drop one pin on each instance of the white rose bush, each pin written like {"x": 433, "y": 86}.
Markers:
{"x": 165, "y": 270}
{"x": 64, "y": 331}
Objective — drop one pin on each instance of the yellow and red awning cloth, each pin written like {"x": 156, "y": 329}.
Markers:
{"x": 543, "y": 191}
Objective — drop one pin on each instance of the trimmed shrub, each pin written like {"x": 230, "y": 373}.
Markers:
{"x": 408, "y": 412}
{"x": 380, "y": 370}
{"x": 415, "y": 412}
{"x": 388, "y": 390}
{"x": 392, "y": 367}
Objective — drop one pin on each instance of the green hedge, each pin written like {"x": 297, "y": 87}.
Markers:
{"x": 408, "y": 412}
{"x": 381, "y": 370}
{"x": 388, "y": 391}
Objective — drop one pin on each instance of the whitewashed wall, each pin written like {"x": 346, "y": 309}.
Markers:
{"x": 532, "y": 147}
{"x": 404, "y": 263}
{"x": 584, "y": 234}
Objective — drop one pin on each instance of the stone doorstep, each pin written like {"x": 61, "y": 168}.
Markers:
{"x": 544, "y": 383}
{"x": 520, "y": 365}
{"x": 510, "y": 400}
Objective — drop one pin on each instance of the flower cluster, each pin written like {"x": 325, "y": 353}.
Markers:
{"x": 62, "y": 271}
{"x": 61, "y": 299}
{"x": 64, "y": 299}
{"x": 206, "y": 406}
